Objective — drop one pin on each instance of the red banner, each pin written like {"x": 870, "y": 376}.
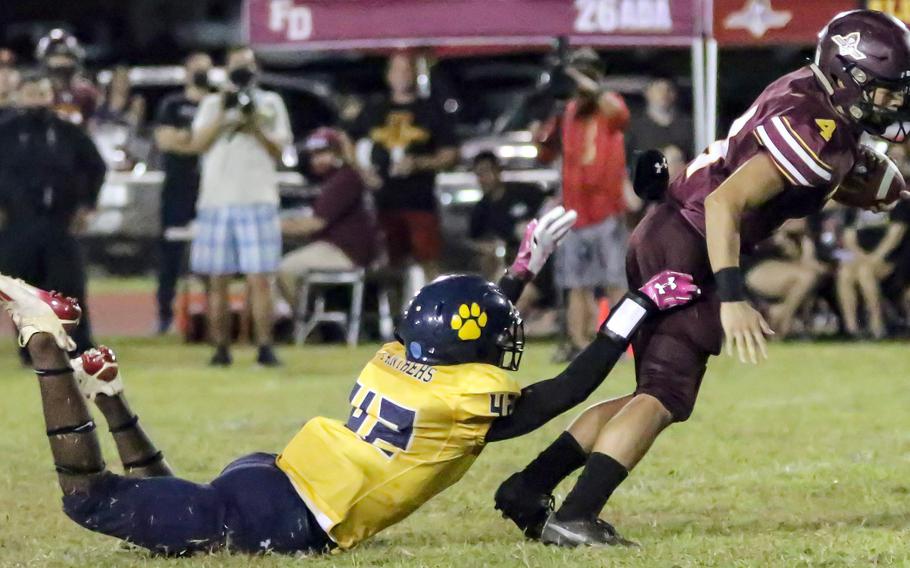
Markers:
{"x": 897, "y": 8}
{"x": 755, "y": 22}
{"x": 377, "y": 24}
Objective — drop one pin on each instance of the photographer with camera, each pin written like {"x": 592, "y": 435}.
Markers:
{"x": 586, "y": 130}
{"x": 240, "y": 133}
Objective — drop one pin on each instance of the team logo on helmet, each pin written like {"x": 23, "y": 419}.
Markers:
{"x": 848, "y": 45}
{"x": 469, "y": 321}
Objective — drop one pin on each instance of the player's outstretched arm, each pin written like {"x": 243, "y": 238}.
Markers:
{"x": 753, "y": 184}
{"x": 542, "y": 237}
{"x": 541, "y": 402}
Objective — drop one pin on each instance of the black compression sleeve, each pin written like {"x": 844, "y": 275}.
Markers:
{"x": 512, "y": 286}
{"x": 543, "y": 401}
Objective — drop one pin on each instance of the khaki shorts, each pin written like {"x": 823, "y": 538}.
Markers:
{"x": 594, "y": 256}
{"x": 318, "y": 255}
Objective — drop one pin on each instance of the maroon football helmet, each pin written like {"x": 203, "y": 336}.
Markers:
{"x": 860, "y": 52}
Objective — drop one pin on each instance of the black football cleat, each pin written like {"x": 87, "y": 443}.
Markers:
{"x": 527, "y": 508}
{"x": 583, "y": 532}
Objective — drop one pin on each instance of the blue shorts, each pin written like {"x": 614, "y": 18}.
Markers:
{"x": 237, "y": 239}
{"x": 250, "y": 507}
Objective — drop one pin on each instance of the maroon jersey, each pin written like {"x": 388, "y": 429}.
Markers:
{"x": 809, "y": 142}
{"x": 78, "y": 103}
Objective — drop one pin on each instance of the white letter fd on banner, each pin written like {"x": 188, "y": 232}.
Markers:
{"x": 295, "y": 21}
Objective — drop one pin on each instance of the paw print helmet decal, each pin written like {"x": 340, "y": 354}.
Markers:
{"x": 462, "y": 318}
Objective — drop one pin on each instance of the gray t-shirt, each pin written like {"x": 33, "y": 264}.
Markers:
{"x": 237, "y": 169}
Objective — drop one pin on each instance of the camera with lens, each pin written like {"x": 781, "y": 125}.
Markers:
{"x": 556, "y": 81}
{"x": 241, "y": 100}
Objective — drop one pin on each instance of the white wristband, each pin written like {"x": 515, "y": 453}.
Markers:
{"x": 625, "y": 318}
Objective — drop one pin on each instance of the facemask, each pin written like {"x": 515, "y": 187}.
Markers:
{"x": 200, "y": 79}
{"x": 242, "y": 76}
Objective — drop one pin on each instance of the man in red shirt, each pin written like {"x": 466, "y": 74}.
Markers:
{"x": 589, "y": 133}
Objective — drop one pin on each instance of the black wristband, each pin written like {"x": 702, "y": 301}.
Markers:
{"x": 731, "y": 286}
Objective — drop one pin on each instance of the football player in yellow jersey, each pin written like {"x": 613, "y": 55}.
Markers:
{"x": 421, "y": 411}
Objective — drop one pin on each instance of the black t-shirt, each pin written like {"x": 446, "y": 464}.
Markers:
{"x": 871, "y": 226}
{"x": 498, "y": 218}
{"x": 419, "y": 128}
{"x": 48, "y": 168}
{"x": 181, "y": 171}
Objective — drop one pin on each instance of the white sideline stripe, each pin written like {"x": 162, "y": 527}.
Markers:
{"x": 885, "y": 185}
{"x": 800, "y": 151}
{"x": 780, "y": 158}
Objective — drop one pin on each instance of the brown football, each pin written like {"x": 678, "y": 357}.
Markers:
{"x": 874, "y": 181}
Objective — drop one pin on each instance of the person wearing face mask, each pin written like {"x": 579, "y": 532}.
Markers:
{"x": 240, "y": 134}
{"x": 50, "y": 176}
{"x": 174, "y": 137}
{"x": 61, "y": 56}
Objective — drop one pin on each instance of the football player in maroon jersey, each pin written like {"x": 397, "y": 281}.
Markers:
{"x": 782, "y": 159}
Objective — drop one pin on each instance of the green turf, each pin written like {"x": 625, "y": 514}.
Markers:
{"x": 800, "y": 462}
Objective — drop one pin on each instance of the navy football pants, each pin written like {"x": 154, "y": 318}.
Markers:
{"x": 250, "y": 507}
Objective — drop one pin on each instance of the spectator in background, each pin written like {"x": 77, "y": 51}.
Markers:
{"x": 75, "y": 98}
{"x": 662, "y": 126}
{"x": 589, "y": 134}
{"x": 9, "y": 81}
{"x": 342, "y": 231}
{"x": 877, "y": 254}
{"x": 240, "y": 133}
{"x": 117, "y": 123}
{"x": 407, "y": 140}
{"x": 499, "y": 219}
{"x": 118, "y": 104}
{"x": 50, "y": 176}
{"x": 174, "y": 138}
{"x": 784, "y": 272}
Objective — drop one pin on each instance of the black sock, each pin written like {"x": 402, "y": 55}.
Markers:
{"x": 561, "y": 458}
{"x": 601, "y": 476}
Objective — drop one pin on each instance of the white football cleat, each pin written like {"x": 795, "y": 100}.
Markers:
{"x": 37, "y": 311}
{"x": 98, "y": 372}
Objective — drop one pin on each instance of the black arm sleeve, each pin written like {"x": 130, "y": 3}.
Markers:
{"x": 541, "y": 402}
{"x": 512, "y": 286}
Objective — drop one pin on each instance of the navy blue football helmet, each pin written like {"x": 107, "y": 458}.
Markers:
{"x": 462, "y": 319}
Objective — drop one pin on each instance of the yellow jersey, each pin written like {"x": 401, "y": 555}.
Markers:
{"x": 413, "y": 431}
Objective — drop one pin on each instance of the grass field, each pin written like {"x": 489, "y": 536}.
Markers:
{"x": 803, "y": 461}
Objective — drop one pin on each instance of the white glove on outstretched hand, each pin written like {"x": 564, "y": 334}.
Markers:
{"x": 541, "y": 238}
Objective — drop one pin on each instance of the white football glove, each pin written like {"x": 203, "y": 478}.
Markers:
{"x": 542, "y": 237}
